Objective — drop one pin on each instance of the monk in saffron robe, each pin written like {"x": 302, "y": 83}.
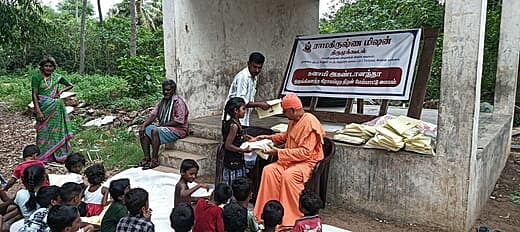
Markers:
{"x": 284, "y": 180}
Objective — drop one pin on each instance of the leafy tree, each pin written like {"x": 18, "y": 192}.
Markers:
{"x": 148, "y": 13}
{"x": 20, "y": 22}
{"x": 70, "y": 7}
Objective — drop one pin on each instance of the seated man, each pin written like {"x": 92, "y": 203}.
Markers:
{"x": 284, "y": 180}
{"x": 172, "y": 114}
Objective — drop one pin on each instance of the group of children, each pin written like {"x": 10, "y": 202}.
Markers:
{"x": 227, "y": 207}
{"x": 56, "y": 202}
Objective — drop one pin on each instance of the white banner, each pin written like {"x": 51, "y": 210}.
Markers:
{"x": 377, "y": 65}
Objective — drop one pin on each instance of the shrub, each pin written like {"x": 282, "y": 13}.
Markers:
{"x": 142, "y": 73}
{"x": 97, "y": 89}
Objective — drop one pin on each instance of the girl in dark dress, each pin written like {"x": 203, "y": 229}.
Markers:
{"x": 234, "y": 136}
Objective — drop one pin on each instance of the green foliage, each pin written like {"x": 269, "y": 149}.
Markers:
{"x": 97, "y": 89}
{"x": 116, "y": 147}
{"x": 105, "y": 44}
{"x": 143, "y": 74}
{"x": 68, "y": 7}
{"x": 17, "y": 90}
{"x": 515, "y": 197}
{"x": 20, "y": 20}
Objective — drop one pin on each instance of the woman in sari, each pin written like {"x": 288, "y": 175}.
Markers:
{"x": 53, "y": 131}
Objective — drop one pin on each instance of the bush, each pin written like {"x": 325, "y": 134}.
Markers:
{"x": 97, "y": 89}
{"x": 17, "y": 90}
{"x": 143, "y": 74}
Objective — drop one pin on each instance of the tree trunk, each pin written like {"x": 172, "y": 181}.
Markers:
{"x": 99, "y": 12}
{"x": 133, "y": 29}
{"x": 82, "y": 39}
{"x": 76, "y": 12}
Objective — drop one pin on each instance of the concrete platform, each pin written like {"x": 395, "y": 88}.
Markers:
{"x": 406, "y": 186}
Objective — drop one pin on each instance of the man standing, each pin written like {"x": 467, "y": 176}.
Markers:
{"x": 284, "y": 180}
{"x": 172, "y": 114}
{"x": 244, "y": 85}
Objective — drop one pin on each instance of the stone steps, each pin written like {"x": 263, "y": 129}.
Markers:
{"x": 167, "y": 169}
{"x": 206, "y": 130}
{"x": 195, "y": 145}
{"x": 173, "y": 159}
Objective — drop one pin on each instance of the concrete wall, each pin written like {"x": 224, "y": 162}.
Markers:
{"x": 414, "y": 188}
{"x": 213, "y": 39}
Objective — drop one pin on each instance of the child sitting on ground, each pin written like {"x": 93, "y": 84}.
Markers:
{"x": 234, "y": 136}
{"x": 95, "y": 195}
{"x": 34, "y": 177}
{"x": 208, "y": 214}
{"x": 136, "y": 201}
{"x": 189, "y": 169}
{"x": 182, "y": 218}
{"x": 29, "y": 154}
{"x": 242, "y": 193}
{"x": 272, "y": 215}
{"x": 117, "y": 209}
{"x": 310, "y": 205}
{"x": 234, "y": 217}
{"x": 74, "y": 163}
{"x": 63, "y": 218}
{"x": 46, "y": 198}
{"x": 70, "y": 194}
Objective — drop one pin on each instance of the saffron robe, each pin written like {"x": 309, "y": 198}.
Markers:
{"x": 284, "y": 180}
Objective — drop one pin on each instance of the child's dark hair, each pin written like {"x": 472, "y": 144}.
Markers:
{"x": 135, "y": 199}
{"x": 257, "y": 58}
{"x": 310, "y": 203}
{"x": 229, "y": 109}
{"x": 241, "y": 188}
{"x": 188, "y": 164}
{"x": 95, "y": 174}
{"x": 46, "y": 194}
{"x": 235, "y": 217}
{"x": 272, "y": 213}
{"x": 61, "y": 217}
{"x": 222, "y": 193}
{"x": 70, "y": 190}
{"x": 33, "y": 176}
{"x": 30, "y": 150}
{"x": 117, "y": 188}
{"x": 182, "y": 218}
{"x": 74, "y": 160}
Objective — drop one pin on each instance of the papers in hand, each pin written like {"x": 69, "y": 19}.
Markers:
{"x": 201, "y": 192}
{"x": 259, "y": 147}
{"x": 274, "y": 109}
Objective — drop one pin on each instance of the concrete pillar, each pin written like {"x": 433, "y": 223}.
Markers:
{"x": 169, "y": 38}
{"x": 463, "y": 50}
{"x": 508, "y": 58}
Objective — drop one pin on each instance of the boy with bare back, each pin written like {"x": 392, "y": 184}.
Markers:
{"x": 189, "y": 169}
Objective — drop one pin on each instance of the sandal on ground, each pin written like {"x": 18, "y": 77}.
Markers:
{"x": 151, "y": 165}
{"x": 143, "y": 162}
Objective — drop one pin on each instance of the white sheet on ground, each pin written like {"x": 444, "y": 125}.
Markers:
{"x": 161, "y": 187}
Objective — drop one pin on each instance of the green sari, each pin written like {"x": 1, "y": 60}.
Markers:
{"x": 53, "y": 133}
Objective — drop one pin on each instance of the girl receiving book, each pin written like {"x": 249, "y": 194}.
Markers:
{"x": 234, "y": 136}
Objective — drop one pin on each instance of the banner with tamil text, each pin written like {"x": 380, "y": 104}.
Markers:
{"x": 378, "y": 65}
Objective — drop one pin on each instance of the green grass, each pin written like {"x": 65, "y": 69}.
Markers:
{"x": 17, "y": 90}
{"x": 116, "y": 148}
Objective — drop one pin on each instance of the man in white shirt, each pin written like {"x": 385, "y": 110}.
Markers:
{"x": 244, "y": 85}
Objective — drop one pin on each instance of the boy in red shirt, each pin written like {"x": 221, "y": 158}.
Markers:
{"x": 310, "y": 205}
{"x": 208, "y": 215}
{"x": 30, "y": 154}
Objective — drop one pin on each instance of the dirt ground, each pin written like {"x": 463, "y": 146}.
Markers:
{"x": 499, "y": 212}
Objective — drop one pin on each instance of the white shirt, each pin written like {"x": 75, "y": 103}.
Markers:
{"x": 244, "y": 86}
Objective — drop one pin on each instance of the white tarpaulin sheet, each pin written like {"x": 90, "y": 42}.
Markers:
{"x": 377, "y": 65}
{"x": 161, "y": 187}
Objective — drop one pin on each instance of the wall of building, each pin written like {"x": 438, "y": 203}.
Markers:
{"x": 213, "y": 39}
